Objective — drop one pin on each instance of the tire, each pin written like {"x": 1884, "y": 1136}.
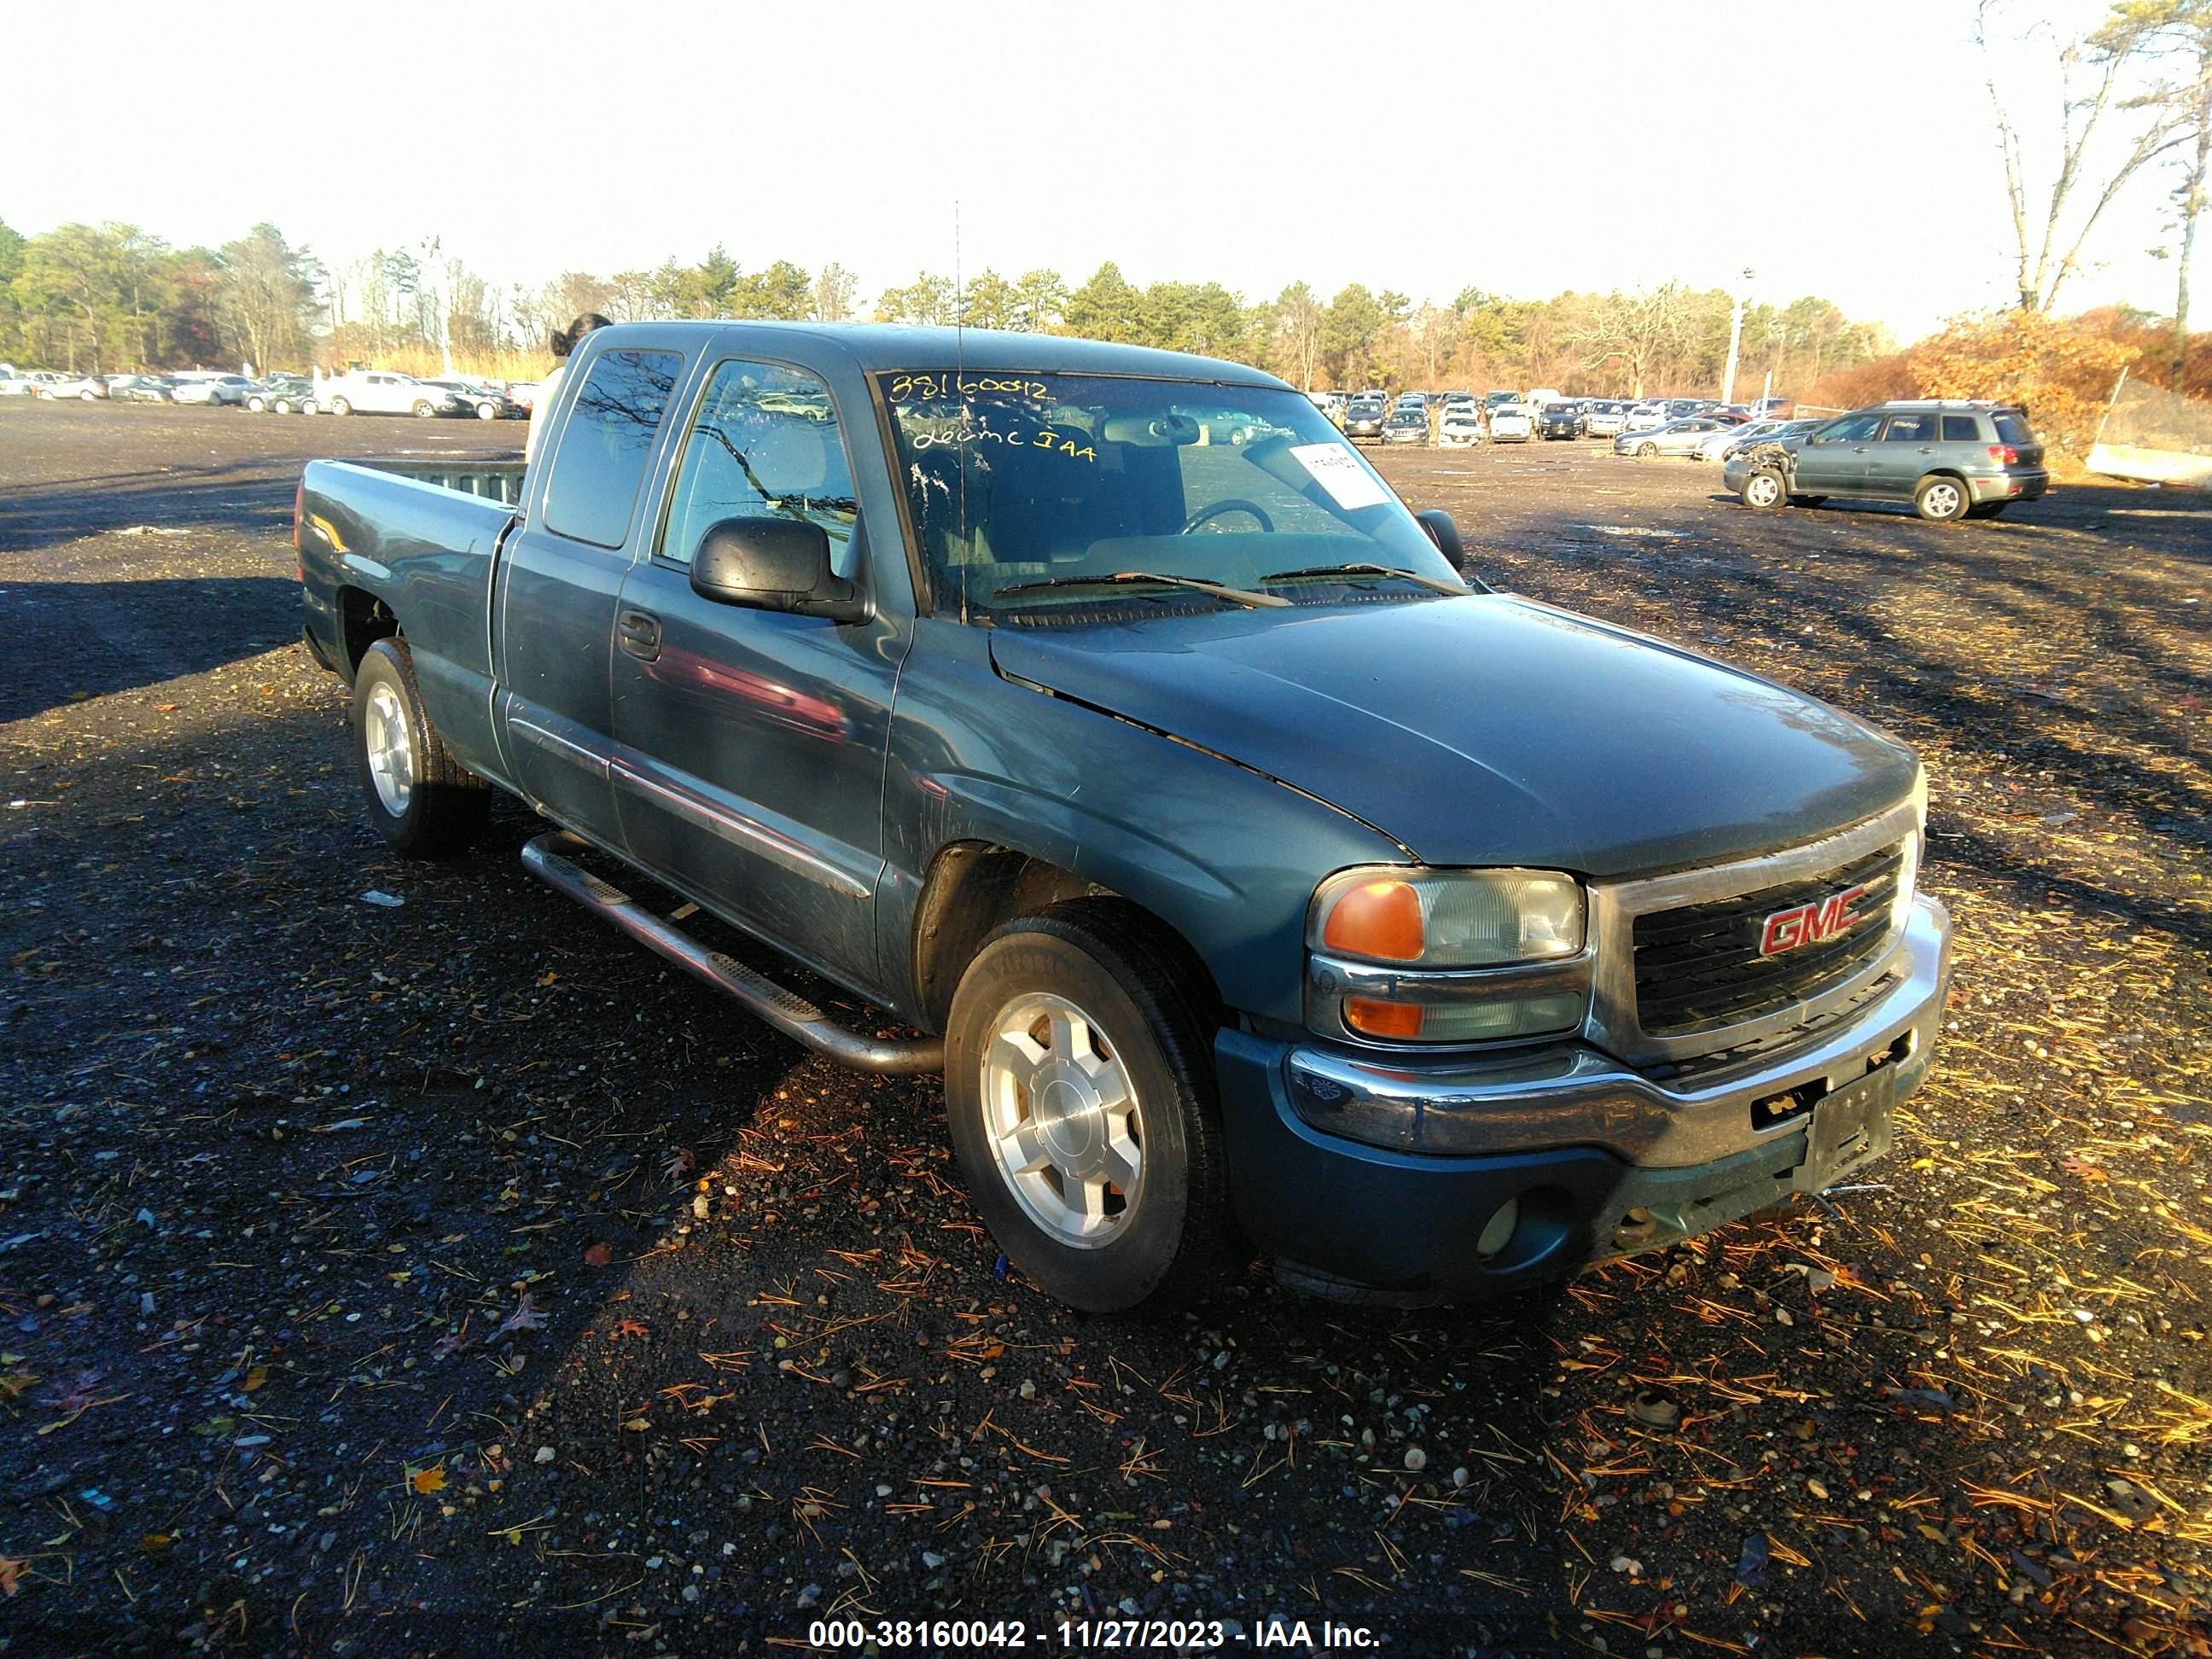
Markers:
{"x": 340, "y": 406}
{"x": 424, "y": 410}
{"x": 1766, "y": 490}
{"x": 1809, "y": 500}
{"x": 87, "y": 397}
{"x": 258, "y": 406}
{"x": 281, "y": 406}
{"x": 1941, "y": 499}
{"x": 486, "y": 411}
{"x": 1120, "y": 1011}
{"x": 1645, "y": 452}
{"x": 425, "y": 803}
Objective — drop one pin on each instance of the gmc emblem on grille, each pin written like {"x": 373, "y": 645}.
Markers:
{"x": 1811, "y": 924}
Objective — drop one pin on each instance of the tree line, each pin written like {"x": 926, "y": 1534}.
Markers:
{"x": 114, "y": 298}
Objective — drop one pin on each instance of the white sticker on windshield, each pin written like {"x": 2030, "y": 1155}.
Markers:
{"x": 1336, "y": 470}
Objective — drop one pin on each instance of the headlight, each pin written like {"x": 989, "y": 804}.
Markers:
{"x": 1446, "y": 955}
{"x": 1448, "y": 918}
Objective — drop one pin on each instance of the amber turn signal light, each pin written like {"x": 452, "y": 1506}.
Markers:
{"x": 1379, "y": 920}
{"x": 1383, "y": 1019}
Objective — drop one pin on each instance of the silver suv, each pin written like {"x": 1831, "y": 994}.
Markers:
{"x": 1951, "y": 461}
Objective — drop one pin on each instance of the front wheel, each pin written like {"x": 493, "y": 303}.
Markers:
{"x": 1764, "y": 490}
{"x": 282, "y": 406}
{"x": 424, "y": 410}
{"x": 1078, "y": 1083}
{"x": 424, "y": 802}
{"x": 1645, "y": 452}
{"x": 89, "y": 397}
{"x": 1940, "y": 499}
{"x": 486, "y": 411}
{"x": 340, "y": 406}
{"x": 258, "y": 406}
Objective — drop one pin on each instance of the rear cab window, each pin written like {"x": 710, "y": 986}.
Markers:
{"x": 608, "y": 439}
{"x": 2012, "y": 427}
{"x": 1910, "y": 429}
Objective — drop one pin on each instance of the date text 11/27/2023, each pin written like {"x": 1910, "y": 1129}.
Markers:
{"x": 1087, "y": 1635}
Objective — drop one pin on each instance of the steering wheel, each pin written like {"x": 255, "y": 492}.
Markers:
{"x": 1232, "y": 504}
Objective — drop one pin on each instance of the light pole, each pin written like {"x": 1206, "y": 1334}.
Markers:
{"x": 1735, "y": 340}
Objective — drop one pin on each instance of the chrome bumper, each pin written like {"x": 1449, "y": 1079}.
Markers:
{"x": 1576, "y": 1096}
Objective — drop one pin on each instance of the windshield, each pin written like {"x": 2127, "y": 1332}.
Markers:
{"x": 1014, "y": 480}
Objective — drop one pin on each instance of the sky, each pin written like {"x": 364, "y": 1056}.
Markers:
{"x": 1845, "y": 150}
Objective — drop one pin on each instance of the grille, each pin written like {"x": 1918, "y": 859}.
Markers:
{"x": 1700, "y": 965}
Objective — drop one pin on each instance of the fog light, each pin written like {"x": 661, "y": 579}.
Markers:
{"x": 1499, "y": 1232}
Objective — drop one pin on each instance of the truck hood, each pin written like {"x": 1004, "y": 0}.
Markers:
{"x": 1487, "y": 730}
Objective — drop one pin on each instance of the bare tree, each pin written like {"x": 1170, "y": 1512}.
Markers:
{"x": 1641, "y": 331}
{"x": 835, "y": 291}
{"x": 2094, "y": 75}
{"x": 1299, "y": 317}
{"x": 2176, "y": 37}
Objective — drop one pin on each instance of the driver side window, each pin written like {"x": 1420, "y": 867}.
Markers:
{"x": 764, "y": 444}
{"x": 1856, "y": 430}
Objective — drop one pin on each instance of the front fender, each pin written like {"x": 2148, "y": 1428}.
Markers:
{"x": 1227, "y": 857}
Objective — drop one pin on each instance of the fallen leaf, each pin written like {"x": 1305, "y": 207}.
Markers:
{"x": 628, "y": 1327}
{"x": 598, "y": 1256}
{"x": 426, "y": 1481}
{"x": 256, "y": 1377}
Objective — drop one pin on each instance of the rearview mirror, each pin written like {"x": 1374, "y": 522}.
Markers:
{"x": 774, "y": 564}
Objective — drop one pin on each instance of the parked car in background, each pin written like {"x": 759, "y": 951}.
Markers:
{"x": 283, "y": 394}
{"x": 381, "y": 392}
{"x": 1560, "y": 420}
{"x": 1716, "y": 448}
{"x": 36, "y": 380}
{"x": 89, "y": 387}
{"x": 1407, "y": 426}
{"x": 1363, "y": 418}
{"x": 1779, "y": 408}
{"x": 1951, "y": 461}
{"x": 212, "y": 389}
{"x": 14, "y": 383}
{"x": 486, "y": 403}
{"x": 1461, "y": 428}
{"x": 1510, "y": 424}
{"x": 1542, "y": 397}
{"x": 141, "y": 389}
{"x": 1675, "y": 438}
{"x": 1604, "y": 418}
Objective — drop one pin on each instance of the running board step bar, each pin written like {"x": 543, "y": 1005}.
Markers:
{"x": 549, "y": 858}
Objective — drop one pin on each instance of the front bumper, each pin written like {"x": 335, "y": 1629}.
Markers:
{"x": 1599, "y": 1160}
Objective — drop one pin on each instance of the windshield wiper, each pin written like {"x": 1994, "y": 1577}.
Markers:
{"x": 1317, "y": 571}
{"x": 1218, "y": 590}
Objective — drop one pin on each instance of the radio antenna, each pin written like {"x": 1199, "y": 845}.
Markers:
{"x": 960, "y": 400}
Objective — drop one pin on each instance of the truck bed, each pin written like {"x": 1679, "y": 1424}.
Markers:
{"x": 415, "y": 537}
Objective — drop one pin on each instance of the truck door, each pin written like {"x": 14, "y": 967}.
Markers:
{"x": 558, "y": 582}
{"x": 749, "y": 745}
{"x": 1832, "y": 460}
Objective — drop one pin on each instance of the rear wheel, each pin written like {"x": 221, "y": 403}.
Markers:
{"x": 340, "y": 406}
{"x": 1079, "y": 1088}
{"x": 425, "y": 803}
{"x": 1940, "y": 499}
{"x": 282, "y": 406}
{"x": 1764, "y": 490}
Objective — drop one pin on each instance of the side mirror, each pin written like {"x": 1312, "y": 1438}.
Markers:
{"x": 1443, "y": 531}
{"x": 774, "y": 564}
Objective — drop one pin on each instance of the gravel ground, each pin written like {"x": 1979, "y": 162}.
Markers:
{"x": 385, "y": 1279}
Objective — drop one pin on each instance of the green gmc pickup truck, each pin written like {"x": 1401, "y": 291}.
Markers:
{"x": 1261, "y": 883}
